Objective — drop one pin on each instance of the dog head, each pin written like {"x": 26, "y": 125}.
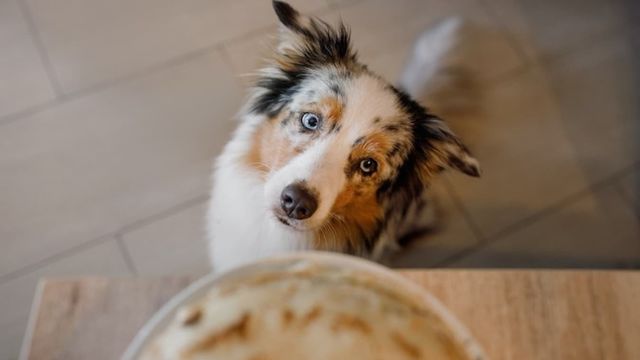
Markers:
{"x": 335, "y": 143}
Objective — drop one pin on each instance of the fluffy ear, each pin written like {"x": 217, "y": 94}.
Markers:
{"x": 312, "y": 37}
{"x": 446, "y": 150}
{"x": 287, "y": 15}
{"x": 305, "y": 44}
{"x": 293, "y": 25}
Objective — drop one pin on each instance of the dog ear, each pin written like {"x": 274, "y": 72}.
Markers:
{"x": 446, "y": 150}
{"x": 309, "y": 40}
{"x": 293, "y": 25}
{"x": 288, "y": 16}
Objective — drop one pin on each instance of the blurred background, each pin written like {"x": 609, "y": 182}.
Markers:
{"x": 112, "y": 111}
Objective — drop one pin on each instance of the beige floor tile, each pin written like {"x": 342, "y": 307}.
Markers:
{"x": 597, "y": 230}
{"x": 452, "y": 236}
{"x": 597, "y": 94}
{"x": 343, "y": 2}
{"x": 24, "y": 82}
{"x": 384, "y": 45}
{"x": 390, "y": 64}
{"x": 88, "y": 167}
{"x": 548, "y": 28}
{"x": 377, "y": 24}
{"x": 172, "y": 245}
{"x": 551, "y": 132}
{"x": 93, "y": 41}
{"x": 389, "y": 27}
{"x": 248, "y": 55}
{"x": 17, "y": 294}
{"x": 528, "y": 160}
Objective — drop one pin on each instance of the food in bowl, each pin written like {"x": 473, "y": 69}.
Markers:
{"x": 304, "y": 309}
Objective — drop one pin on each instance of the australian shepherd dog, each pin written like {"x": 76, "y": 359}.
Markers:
{"x": 327, "y": 156}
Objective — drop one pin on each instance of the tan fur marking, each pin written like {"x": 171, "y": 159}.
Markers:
{"x": 377, "y": 143}
{"x": 332, "y": 110}
{"x": 376, "y": 146}
{"x": 363, "y": 210}
{"x": 284, "y": 60}
{"x": 356, "y": 209}
{"x": 351, "y": 215}
{"x": 253, "y": 158}
{"x": 270, "y": 149}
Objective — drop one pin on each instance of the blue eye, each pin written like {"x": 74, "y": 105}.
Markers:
{"x": 368, "y": 166}
{"x": 310, "y": 121}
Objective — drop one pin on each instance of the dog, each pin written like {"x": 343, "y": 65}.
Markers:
{"x": 327, "y": 156}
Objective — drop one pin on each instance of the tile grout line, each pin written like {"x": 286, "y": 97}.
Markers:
{"x": 32, "y": 110}
{"x": 108, "y": 84}
{"x": 541, "y": 58}
{"x": 97, "y": 88}
{"x": 628, "y": 201}
{"x": 161, "y": 215}
{"x": 55, "y": 257}
{"x": 160, "y": 66}
{"x": 532, "y": 219}
{"x": 174, "y": 61}
{"x": 596, "y": 186}
{"x": 63, "y": 97}
{"x": 475, "y": 229}
{"x": 103, "y": 238}
{"x": 144, "y": 72}
{"x": 126, "y": 255}
{"x": 44, "y": 55}
{"x": 626, "y": 197}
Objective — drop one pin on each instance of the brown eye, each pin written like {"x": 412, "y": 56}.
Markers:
{"x": 368, "y": 166}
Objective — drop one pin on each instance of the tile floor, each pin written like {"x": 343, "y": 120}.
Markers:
{"x": 111, "y": 111}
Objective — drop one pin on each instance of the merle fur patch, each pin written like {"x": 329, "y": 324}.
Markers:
{"x": 319, "y": 45}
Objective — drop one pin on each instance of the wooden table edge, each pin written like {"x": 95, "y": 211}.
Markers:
{"x": 25, "y": 347}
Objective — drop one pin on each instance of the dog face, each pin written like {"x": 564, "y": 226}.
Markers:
{"x": 336, "y": 144}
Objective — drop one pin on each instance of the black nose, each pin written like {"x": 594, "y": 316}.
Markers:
{"x": 298, "y": 202}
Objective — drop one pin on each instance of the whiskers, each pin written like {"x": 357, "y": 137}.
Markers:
{"x": 268, "y": 169}
{"x": 332, "y": 235}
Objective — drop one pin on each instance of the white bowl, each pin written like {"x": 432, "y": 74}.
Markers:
{"x": 378, "y": 273}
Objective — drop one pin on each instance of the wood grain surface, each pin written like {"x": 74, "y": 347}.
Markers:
{"x": 544, "y": 314}
{"x": 94, "y": 318}
{"x": 513, "y": 314}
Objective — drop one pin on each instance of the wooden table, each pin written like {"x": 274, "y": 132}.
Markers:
{"x": 514, "y": 314}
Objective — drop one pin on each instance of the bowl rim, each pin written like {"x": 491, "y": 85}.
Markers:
{"x": 165, "y": 314}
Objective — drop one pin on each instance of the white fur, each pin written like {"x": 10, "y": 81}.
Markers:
{"x": 241, "y": 223}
